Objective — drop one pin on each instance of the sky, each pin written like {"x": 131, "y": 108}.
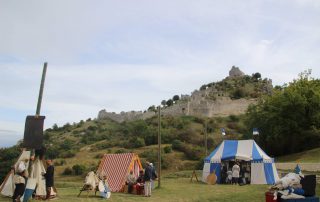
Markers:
{"x": 123, "y": 55}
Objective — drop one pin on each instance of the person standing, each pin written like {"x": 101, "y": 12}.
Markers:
{"x": 235, "y": 173}
{"x": 223, "y": 174}
{"x": 19, "y": 180}
{"x": 147, "y": 180}
{"x": 154, "y": 175}
{"x": 49, "y": 176}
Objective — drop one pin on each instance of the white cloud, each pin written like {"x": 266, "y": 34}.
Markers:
{"x": 128, "y": 55}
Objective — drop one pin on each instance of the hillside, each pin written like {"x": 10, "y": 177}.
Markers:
{"x": 309, "y": 156}
{"x": 230, "y": 96}
{"x": 85, "y": 142}
{"x": 182, "y": 139}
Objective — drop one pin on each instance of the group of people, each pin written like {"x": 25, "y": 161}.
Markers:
{"x": 22, "y": 172}
{"x": 238, "y": 174}
{"x": 144, "y": 182}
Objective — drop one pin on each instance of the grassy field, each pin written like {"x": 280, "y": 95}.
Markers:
{"x": 310, "y": 156}
{"x": 174, "y": 187}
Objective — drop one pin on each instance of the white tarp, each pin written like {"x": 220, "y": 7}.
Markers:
{"x": 7, "y": 187}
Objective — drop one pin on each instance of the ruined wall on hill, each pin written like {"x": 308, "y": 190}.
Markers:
{"x": 125, "y": 116}
{"x": 209, "y": 102}
{"x": 223, "y": 106}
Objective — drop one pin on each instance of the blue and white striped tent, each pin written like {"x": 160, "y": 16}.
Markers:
{"x": 263, "y": 170}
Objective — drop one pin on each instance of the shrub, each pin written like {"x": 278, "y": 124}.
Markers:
{"x": 233, "y": 118}
{"x": 164, "y": 162}
{"x": 167, "y": 149}
{"x": 150, "y": 155}
{"x": 92, "y": 128}
{"x": 99, "y": 156}
{"x": 52, "y": 152}
{"x": 67, "y": 154}
{"x": 199, "y": 120}
{"x": 67, "y": 171}
{"x": 66, "y": 145}
{"x": 232, "y": 125}
{"x": 138, "y": 142}
{"x": 176, "y": 144}
{"x": 119, "y": 151}
{"x": 193, "y": 153}
{"x": 60, "y": 163}
{"x": 210, "y": 142}
{"x": 135, "y": 142}
{"x": 200, "y": 163}
{"x": 78, "y": 169}
{"x": 239, "y": 93}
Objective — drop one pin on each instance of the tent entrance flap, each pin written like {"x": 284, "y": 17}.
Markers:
{"x": 268, "y": 171}
{"x": 216, "y": 167}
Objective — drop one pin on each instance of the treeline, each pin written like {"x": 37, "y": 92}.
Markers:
{"x": 289, "y": 119}
{"x": 8, "y": 156}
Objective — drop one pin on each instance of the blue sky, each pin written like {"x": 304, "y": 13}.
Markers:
{"x": 128, "y": 55}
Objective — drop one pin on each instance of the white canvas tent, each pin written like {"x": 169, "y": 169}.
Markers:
{"x": 7, "y": 186}
{"x": 37, "y": 169}
{"x": 263, "y": 170}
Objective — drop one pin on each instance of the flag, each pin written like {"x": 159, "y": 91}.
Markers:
{"x": 255, "y": 131}
{"x": 297, "y": 170}
{"x": 223, "y": 132}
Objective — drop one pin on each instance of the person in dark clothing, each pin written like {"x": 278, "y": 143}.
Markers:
{"x": 49, "y": 177}
{"x": 147, "y": 179}
{"x": 20, "y": 183}
{"x": 154, "y": 175}
{"x": 140, "y": 183}
{"x": 223, "y": 174}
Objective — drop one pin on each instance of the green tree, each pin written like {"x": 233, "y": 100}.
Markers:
{"x": 169, "y": 102}
{"x": 289, "y": 119}
{"x": 175, "y": 98}
{"x": 55, "y": 127}
{"x": 256, "y": 76}
{"x": 203, "y": 87}
{"x": 163, "y": 103}
{"x": 152, "y": 108}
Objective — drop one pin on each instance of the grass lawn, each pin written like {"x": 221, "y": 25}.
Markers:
{"x": 310, "y": 156}
{"x": 174, "y": 187}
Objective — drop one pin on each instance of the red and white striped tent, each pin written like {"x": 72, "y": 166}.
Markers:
{"x": 116, "y": 167}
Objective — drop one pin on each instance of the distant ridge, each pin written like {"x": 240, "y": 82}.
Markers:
{"x": 231, "y": 96}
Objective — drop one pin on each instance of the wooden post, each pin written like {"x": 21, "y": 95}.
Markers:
{"x": 194, "y": 174}
{"x": 159, "y": 147}
{"x": 41, "y": 88}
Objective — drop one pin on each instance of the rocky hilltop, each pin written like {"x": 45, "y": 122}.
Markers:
{"x": 232, "y": 95}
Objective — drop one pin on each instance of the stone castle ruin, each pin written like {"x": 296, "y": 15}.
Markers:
{"x": 208, "y": 102}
